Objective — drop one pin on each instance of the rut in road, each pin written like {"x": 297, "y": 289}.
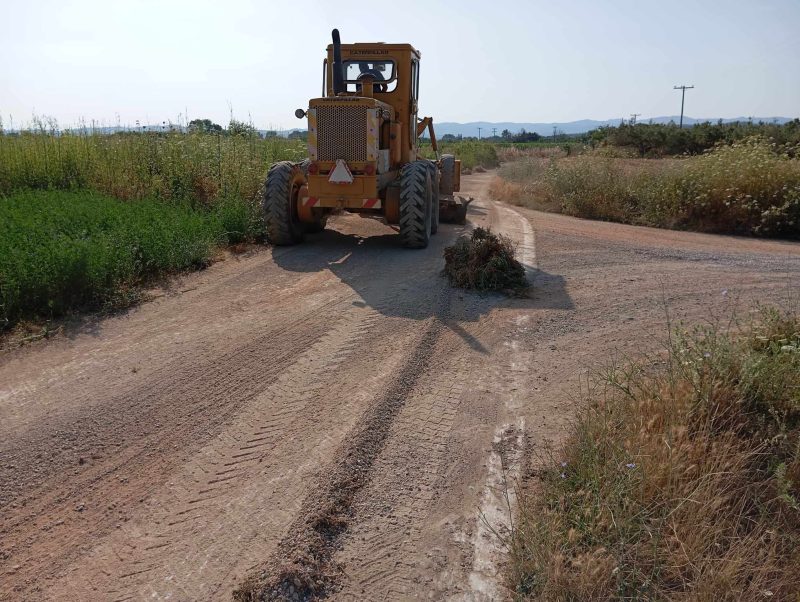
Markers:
{"x": 237, "y": 489}
{"x": 395, "y": 458}
{"x": 303, "y": 563}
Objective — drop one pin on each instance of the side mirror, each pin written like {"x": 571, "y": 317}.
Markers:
{"x": 299, "y": 113}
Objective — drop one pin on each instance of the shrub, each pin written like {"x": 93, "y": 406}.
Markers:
{"x": 668, "y": 139}
{"x": 484, "y": 261}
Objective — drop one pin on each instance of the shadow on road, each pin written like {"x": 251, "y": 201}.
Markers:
{"x": 408, "y": 283}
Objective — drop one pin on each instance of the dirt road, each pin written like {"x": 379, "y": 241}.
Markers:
{"x": 167, "y": 452}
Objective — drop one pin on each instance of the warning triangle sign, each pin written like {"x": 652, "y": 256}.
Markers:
{"x": 341, "y": 173}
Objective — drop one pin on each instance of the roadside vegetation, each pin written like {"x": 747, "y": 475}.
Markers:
{"x": 750, "y": 187}
{"x": 86, "y": 220}
{"x": 680, "y": 478}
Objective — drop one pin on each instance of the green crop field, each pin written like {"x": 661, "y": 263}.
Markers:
{"x": 63, "y": 250}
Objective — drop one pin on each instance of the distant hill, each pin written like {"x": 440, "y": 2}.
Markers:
{"x": 573, "y": 127}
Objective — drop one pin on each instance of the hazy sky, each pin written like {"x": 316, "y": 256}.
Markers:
{"x": 495, "y": 60}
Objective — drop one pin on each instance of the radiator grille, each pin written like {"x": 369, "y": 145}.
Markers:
{"x": 341, "y": 133}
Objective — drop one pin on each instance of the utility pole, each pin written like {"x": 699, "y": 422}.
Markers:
{"x": 555, "y": 129}
{"x": 683, "y": 97}
{"x": 479, "y": 133}
{"x": 494, "y": 132}
{"x": 633, "y": 118}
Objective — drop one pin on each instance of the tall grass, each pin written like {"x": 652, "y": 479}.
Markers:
{"x": 197, "y": 168}
{"x": 680, "y": 480}
{"x": 745, "y": 188}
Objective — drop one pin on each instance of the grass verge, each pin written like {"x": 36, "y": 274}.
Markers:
{"x": 62, "y": 251}
{"x": 677, "y": 482}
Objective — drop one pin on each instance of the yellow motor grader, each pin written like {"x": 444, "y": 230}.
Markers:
{"x": 363, "y": 147}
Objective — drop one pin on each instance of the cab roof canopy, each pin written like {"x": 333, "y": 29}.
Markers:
{"x": 376, "y": 47}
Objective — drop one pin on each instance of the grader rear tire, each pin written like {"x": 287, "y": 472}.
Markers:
{"x": 279, "y": 203}
{"x": 416, "y": 205}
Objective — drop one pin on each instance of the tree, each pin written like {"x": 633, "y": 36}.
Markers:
{"x": 204, "y": 125}
{"x": 240, "y": 128}
{"x": 524, "y": 136}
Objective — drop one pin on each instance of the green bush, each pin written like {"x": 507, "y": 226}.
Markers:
{"x": 669, "y": 139}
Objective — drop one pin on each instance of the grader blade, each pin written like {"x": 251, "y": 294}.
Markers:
{"x": 453, "y": 209}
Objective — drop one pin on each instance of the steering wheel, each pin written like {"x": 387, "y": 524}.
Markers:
{"x": 374, "y": 75}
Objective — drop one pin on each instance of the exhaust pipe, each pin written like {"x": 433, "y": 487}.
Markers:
{"x": 338, "y": 67}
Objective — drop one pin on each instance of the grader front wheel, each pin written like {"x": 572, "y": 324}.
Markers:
{"x": 279, "y": 203}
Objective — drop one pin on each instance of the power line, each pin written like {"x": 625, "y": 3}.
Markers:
{"x": 683, "y": 97}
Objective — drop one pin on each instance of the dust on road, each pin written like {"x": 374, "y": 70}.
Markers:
{"x": 176, "y": 449}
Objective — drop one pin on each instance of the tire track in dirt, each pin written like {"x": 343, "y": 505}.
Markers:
{"x": 193, "y": 397}
{"x": 202, "y": 397}
{"x": 215, "y": 507}
{"x": 390, "y": 514}
{"x": 218, "y": 529}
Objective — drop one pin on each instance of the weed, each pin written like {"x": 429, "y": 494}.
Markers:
{"x": 195, "y": 168}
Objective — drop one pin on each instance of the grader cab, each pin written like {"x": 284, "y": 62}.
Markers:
{"x": 363, "y": 146}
